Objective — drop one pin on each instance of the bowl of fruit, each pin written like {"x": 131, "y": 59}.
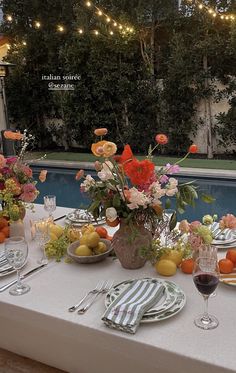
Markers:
{"x": 90, "y": 248}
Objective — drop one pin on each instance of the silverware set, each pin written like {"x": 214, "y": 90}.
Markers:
{"x": 102, "y": 287}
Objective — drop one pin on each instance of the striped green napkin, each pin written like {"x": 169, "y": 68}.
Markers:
{"x": 129, "y": 307}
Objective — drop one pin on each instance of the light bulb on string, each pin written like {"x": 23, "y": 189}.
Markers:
{"x": 111, "y": 33}
{"x": 88, "y": 3}
{"x": 9, "y": 18}
{"x": 60, "y": 28}
{"x": 96, "y": 32}
{"x": 80, "y": 31}
{"x": 24, "y": 43}
{"x": 108, "y": 19}
{"x": 115, "y": 24}
{"x": 37, "y": 24}
{"x": 100, "y": 12}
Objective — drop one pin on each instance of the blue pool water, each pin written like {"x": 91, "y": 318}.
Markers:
{"x": 62, "y": 183}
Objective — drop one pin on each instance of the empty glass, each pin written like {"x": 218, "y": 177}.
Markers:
{"x": 50, "y": 205}
{"x": 42, "y": 236}
{"x": 16, "y": 252}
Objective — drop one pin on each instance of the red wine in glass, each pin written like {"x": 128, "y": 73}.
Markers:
{"x": 206, "y": 283}
{"x": 206, "y": 279}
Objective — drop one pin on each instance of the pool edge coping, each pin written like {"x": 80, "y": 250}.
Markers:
{"x": 184, "y": 171}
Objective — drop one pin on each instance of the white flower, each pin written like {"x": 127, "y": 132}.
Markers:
{"x": 171, "y": 192}
{"x": 173, "y": 182}
{"x": 156, "y": 190}
{"x": 111, "y": 214}
{"x": 106, "y": 171}
{"x": 137, "y": 199}
{"x": 87, "y": 183}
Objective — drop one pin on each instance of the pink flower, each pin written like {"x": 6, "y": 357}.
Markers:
{"x": 2, "y": 161}
{"x": 26, "y": 170}
{"x": 172, "y": 169}
{"x": 184, "y": 226}
{"x": 11, "y": 160}
{"x": 194, "y": 225}
{"x": 164, "y": 179}
{"x": 195, "y": 241}
{"x": 29, "y": 193}
{"x": 228, "y": 221}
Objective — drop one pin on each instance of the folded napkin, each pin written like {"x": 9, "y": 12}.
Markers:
{"x": 221, "y": 234}
{"x": 127, "y": 310}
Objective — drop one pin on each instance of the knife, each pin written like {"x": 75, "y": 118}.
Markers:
{"x": 60, "y": 217}
{"x": 3, "y": 288}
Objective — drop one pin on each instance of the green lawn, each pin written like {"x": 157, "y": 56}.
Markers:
{"x": 159, "y": 160}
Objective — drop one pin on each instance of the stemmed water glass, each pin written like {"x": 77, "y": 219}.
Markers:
{"x": 42, "y": 235}
{"x": 206, "y": 279}
{"x": 50, "y": 205}
{"x": 16, "y": 252}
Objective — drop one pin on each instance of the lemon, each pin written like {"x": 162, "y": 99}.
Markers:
{"x": 92, "y": 239}
{"x": 166, "y": 267}
{"x": 83, "y": 239}
{"x": 56, "y": 229}
{"x": 100, "y": 248}
{"x": 83, "y": 250}
{"x": 53, "y": 237}
{"x": 88, "y": 228}
{"x": 175, "y": 255}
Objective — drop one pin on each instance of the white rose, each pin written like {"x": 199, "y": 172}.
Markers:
{"x": 111, "y": 214}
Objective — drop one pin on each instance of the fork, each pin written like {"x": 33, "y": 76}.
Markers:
{"x": 98, "y": 288}
{"x": 104, "y": 289}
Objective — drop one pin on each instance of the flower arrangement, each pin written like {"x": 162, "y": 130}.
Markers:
{"x": 17, "y": 186}
{"x": 199, "y": 235}
{"x": 132, "y": 189}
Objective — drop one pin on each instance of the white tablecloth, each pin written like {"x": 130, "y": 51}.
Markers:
{"x": 38, "y": 325}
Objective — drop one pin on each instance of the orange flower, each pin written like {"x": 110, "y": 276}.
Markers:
{"x": 79, "y": 175}
{"x": 139, "y": 172}
{"x": 2, "y": 161}
{"x": 193, "y": 149}
{"x": 10, "y": 135}
{"x": 43, "y": 176}
{"x": 97, "y": 148}
{"x": 161, "y": 139}
{"x": 109, "y": 149}
{"x": 100, "y": 131}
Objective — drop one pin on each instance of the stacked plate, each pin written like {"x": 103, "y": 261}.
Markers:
{"x": 79, "y": 217}
{"x": 171, "y": 302}
{"x": 223, "y": 239}
{"x": 5, "y": 267}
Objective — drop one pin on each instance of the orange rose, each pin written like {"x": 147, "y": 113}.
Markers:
{"x": 43, "y": 176}
{"x": 97, "y": 148}
{"x": 10, "y": 135}
{"x": 100, "y": 131}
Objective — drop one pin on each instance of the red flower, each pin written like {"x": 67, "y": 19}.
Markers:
{"x": 139, "y": 172}
{"x": 161, "y": 139}
{"x": 193, "y": 149}
{"x": 126, "y": 156}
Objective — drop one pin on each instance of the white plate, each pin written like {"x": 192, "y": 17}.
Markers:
{"x": 7, "y": 269}
{"x": 167, "y": 306}
{"x": 226, "y": 281}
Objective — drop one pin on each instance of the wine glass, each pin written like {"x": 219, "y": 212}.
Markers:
{"x": 206, "y": 279}
{"x": 16, "y": 252}
{"x": 42, "y": 235}
{"x": 50, "y": 205}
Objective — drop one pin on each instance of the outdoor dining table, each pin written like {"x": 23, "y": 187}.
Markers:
{"x": 38, "y": 325}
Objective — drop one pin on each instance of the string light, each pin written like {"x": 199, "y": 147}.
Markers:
{"x": 100, "y": 12}
{"x": 37, "y": 24}
{"x": 9, "y": 18}
{"x": 111, "y": 33}
{"x": 24, "y": 43}
{"x": 96, "y": 32}
{"x": 213, "y": 13}
{"x": 88, "y": 3}
{"x": 60, "y": 28}
{"x": 80, "y": 31}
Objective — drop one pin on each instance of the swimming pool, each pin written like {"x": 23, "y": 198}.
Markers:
{"x": 62, "y": 183}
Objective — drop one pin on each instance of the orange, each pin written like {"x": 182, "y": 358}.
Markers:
{"x": 231, "y": 255}
{"x": 102, "y": 232}
{"x": 109, "y": 237}
{"x": 187, "y": 266}
{"x": 3, "y": 223}
{"x": 226, "y": 266}
{"x": 113, "y": 223}
{"x": 6, "y": 231}
{"x": 2, "y": 237}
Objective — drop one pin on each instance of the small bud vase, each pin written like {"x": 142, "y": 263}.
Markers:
{"x": 127, "y": 242}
